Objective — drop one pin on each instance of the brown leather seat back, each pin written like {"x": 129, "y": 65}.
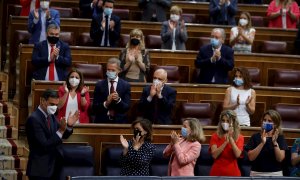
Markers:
{"x": 123, "y": 14}
{"x": 153, "y": 42}
{"x": 91, "y": 72}
{"x": 274, "y": 47}
{"x": 64, "y": 12}
{"x": 124, "y": 38}
{"x": 67, "y": 37}
{"x": 284, "y": 78}
{"x": 203, "y": 41}
{"x": 257, "y": 21}
{"x": 290, "y": 115}
{"x": 189, "y": 18}
{"x": 201, "y": 111}
{"x": 255, "y": 75}
{"x": 173, "y": 73}
{"x": 85, "y": 39}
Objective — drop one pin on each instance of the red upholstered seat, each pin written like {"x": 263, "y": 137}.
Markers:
{"x": 173, "y": 73}
{"x": 91, "y": 72}
{"x": 201, "y": 111}
{"x": 153, "y": 42}
{"x": 64, "y": 12}
{"x": 274, "y": 47}
{"x": 284, "y": 78}
{"x": 122, "y": 13}
{"x": 85, "y": 39}
{"x": 290, "y": 115}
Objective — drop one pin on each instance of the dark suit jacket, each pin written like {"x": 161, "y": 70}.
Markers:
{"x": 86, "y": 11}
{"x": 218, "y": 69}
{"x": 164, "y": 105}
{"x": 217, "y": 13}
{"x": 41, "y": 63}
{"x": 44, "y": 144}
{"x": 100, "y": 96}
{"x": 96, "y": 33}
{"x": 158, "y": 6}
{"x": 35, "y": 29}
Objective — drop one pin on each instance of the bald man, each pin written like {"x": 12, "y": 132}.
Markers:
{"x": 158, "y": 99}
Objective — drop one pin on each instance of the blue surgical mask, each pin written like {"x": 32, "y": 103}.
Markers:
{"x": 214, "y": 42}
{"x": 268, "y": 126}
{"x": 111, "y": 74}
{"x": 108, "y": 11}
{"x": 184, "y": 132}
{"x": 238, "y": 81}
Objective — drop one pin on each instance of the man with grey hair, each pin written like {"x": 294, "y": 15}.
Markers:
{"x": 111, "y": 96}
{"x": 158, "y": 99}
{"x": 215, "y": 60}
{"x": 51, "y": 58}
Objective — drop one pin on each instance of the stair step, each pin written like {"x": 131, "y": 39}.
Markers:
{"x": 11, "y": 147}
{"x": 8, "y": 132}
{"x": 13, "y": 174}
{"x": 12, "y": 162}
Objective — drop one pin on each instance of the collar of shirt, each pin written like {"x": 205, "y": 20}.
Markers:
{"x": 103, "y": 16}
{"x": 45, "y": 114}
{"x": 115, "y": 80}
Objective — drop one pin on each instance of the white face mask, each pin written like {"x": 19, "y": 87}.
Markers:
{"x": 225, "y": 126}
{"x": 156, "y": 82}
{"x": 74, "y": 81}
{"x": 51, "y": 109}
{"x": 243, "y": 22}
{"x": 44, "y": 4}
{"x": 174, "y": 17}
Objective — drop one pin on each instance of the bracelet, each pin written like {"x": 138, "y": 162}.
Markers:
{"x": 82, "y": 95}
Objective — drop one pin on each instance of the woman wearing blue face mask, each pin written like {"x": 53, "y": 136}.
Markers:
{"x": 173, "y": 32}
{"x": 184, "y": 151}
{"x": 266, "y": 150}
{"x": 240, "y": 97}
{"x": 226, "y": 146}
{"x": 74, "y": 96}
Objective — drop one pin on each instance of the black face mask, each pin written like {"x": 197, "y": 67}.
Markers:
{"x": 134, "y": 42}
{"x": 137, "y": 132}
{"x": 52, "y": 39}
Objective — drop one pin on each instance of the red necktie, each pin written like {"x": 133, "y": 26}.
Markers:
{"x": 112, "y": 90}
{"x": 51, "y": 65}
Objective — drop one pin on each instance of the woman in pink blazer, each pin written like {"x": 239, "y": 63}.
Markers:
{"x": 185, "y": 150}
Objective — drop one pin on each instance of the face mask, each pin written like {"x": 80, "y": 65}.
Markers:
{"x": 174, "y": 17}
{"x": 51, "y": 109}
{"x": 44, "y": 4}
{"x": 225, "y": 126}
{"x": 111, "y": 75}
{"x": 184, "y": 132}
{"x": 107, "y": 11}
{"x": 268, "y": 126}
{"x": 52, "y": 39}
{"x": 238, "y": 82}
{"x": 214, "y": 42}
{"x": 243, "y": 22}
{"x": 74, "y": 81}
{"x": 156, "y": 82}
{"x": 137, "y": 132}
{"x": 134, "y": 42}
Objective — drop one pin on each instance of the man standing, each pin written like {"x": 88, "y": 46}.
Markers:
{"x": 111, "y": 96}
{"x": 90, "y": 8}
{"x": 44, "y": 134}
{"x": 39, "y": 19}
{"x": 223, "y": 12}
{"x": 154, "y": 10}
{"x": 215, "y": 60}
{"x": 106, "y": 27}
{"x": 52, "y": 57}
{"x": 157, "y": 100}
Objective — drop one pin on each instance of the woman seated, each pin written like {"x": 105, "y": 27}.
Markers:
{"x": 295, "y": 158}
{"x": 283, "y": 14}
{"x": 226, "y": 145}
{"x": 135, "y": 59}
{"x": 266, "y": 149}
{"x": 242, "y": 36}
{"x": 74, "y": 96}
{"x": 185, "y": 150}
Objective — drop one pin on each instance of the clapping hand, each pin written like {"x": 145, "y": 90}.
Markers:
{"x": 112, "y": 25}
{"x": 249, "y": 98}
{"x": 172, "y": 25}
{"x": 66, "y": 87}
{"x": 264, "y": 137}
{"x": 124, "y": 144}
{"x": 72, "y": 118}
{"x": 174, "y": 137}
{"x": 275, "y": 136}
{"x": 153, "y": 90}
{"x": 85, "y": 89}
{"x": 48, "y": 15}
{"x": 36, "y": 14}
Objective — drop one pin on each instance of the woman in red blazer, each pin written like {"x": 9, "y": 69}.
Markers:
{"x": 73, "y": 96}
{"x": 185, "y": 150}
{"x": 26, "y": 6}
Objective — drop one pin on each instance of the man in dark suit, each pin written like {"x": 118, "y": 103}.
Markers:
{"x": 157, "y": 100}
{"x": 90, "y": 8}
{"x": 44, "y": 134}
{"x": 39, "y": 19}
{"x": 111, "y": 96}
{"x": 154, "y": 10}
{"x": 51, "y": 58}
{"x": 223, "y": 12}
{"x": 215, "y": 60}
{"x": 106, "y": 27}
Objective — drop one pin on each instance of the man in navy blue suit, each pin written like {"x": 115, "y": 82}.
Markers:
{"x": 51, "y": 58}
{"x": 215, "y": 60}
{"x": 39, "y": 19}
{"x": 223, "y": 12}
{"x": 44, "y": 134}
{"x": 106, "y": 27}
{"x": 111, "y": 96}
{"x": 157, "y": 100}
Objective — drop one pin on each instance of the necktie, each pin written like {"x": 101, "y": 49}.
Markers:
{"x": 112, "y": 88}
{"x": 49, "y": 122}
{"x": 106, "y": 31}
{"x": 112, "y": 111}
{"x": 51, "y": 65}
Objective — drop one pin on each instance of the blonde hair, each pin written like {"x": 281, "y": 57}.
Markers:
{"x": 197, "y": 133}
{"x": 176, "y": 10}
{"x": 231, "y": 115}
{"x": 138, "y": 33}
{"x": 276, "y": 118}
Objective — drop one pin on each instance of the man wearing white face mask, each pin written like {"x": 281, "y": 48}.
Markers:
{"x": 112, "y": 96}
{"x": 157, "y": 100}
{"x": 106, "y": 27}
{"x": 173, "y": 32}
{"x": 44, "y": 134}
{"x": 39, "y": 19}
